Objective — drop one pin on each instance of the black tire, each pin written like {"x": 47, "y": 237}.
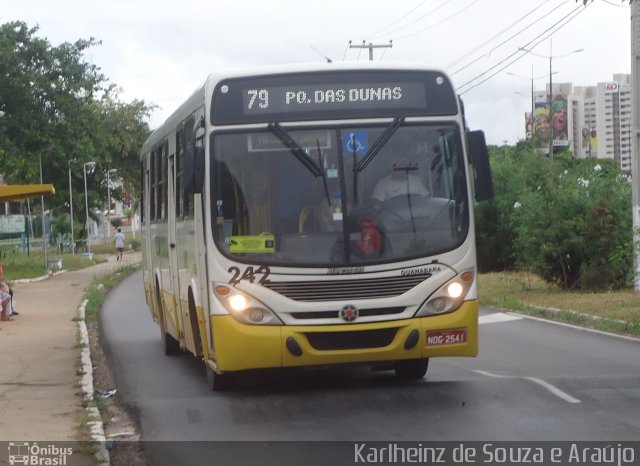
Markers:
{"x": 170, "y": 346}
{"x": 412, "y": 369}
{"x": 220, "y": 382}
{"x": 195, "y": 328}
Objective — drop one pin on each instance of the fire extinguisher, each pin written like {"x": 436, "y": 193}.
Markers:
{"x": 369, "y": 242}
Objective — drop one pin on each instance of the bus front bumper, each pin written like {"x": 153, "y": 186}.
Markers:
{"x": 239, "y": 346}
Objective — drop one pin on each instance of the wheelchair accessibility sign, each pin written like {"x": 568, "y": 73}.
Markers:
{"x": 354, "y": 141}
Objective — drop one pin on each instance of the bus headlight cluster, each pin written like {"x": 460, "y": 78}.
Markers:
{"x": 448, "y": 297}
{"x": 244, "y": 308}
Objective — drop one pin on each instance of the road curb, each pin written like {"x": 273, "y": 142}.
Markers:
{"x": 38, "y": 279}
{"x": 95, "y": 420}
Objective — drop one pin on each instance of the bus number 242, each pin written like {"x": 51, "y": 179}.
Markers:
{"x": 249, "y": 274}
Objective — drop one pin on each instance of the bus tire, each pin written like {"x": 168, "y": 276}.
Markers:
{"x": 195, "y": 328}
{"x": 170, "y": 346}
{"x": 220, "y": 382}
{"x": 411, "y": 369}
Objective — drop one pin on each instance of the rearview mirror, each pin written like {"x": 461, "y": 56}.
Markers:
{"x": 479, "y": 158}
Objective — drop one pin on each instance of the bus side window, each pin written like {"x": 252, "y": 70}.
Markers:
{"x": 152, "y": 185}
{"x": 164, "y": 180}
{"x": 179, "y": 197}
{"x": 187, "y": 206}
{"x": 142, "y": 191}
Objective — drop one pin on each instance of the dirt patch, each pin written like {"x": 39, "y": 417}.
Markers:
{"x": 120, "y": 422}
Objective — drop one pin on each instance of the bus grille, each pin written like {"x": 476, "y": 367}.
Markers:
{"x": 385, "y": 311}
{"x": 358, "y": 339}
{"x": 341, "y": 290}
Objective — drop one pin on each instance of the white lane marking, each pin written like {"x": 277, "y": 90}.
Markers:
{"x": 555, "y": 390}
{"x": 552, "y": 388}
{"x": 583, "y": 329}
{"x": 497, "y": 317}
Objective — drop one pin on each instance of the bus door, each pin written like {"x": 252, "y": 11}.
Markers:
{"x": 174, "y": 276}
{"x": 147, "y": 245}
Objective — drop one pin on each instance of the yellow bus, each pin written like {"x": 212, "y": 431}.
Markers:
{"x": 313, "y": 215}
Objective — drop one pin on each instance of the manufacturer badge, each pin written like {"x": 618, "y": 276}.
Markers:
{"x": 349, "y": 313}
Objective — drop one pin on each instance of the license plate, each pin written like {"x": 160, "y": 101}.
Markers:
{"x": 446, "y": 337}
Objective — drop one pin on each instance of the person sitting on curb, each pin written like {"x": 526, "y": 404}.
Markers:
{"x": 5, "y": 301}
{"x": 11, "y": 307}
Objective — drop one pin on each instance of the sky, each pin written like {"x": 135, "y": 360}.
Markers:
{"x": 160, "y": 51}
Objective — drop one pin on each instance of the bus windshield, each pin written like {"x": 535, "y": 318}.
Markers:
{"x": 330, "y": 197}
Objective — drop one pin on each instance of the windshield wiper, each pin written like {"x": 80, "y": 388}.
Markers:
{"x": 295, "y": 148}
{"x": 379, "y": 144}
{"x": 324, "y": 176}
{"x": 372, "y": 152}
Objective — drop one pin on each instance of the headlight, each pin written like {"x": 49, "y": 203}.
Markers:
{"x": 448, "y": 297}
{"x": 244, "y": 308}
{"x": 238, "y": 302}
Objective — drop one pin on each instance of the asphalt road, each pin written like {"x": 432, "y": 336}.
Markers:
{"x": 533, "y": 380}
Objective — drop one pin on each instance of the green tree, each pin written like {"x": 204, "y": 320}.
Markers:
{"x": 60, "y": 111}
{"x": 568, "y": 220}
{"x": 574, "y": 229}
{"x": 514, "y": 170}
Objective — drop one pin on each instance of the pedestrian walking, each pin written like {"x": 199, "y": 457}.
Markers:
{"x": 119, "y": 239}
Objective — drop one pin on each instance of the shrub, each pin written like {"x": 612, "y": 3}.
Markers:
{"x": 575, "y": 229}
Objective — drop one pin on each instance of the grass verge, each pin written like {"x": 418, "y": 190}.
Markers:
{"x": 95, "y": 295}
{"x": 20, "y": 265}
{"x": 613, "y": 311}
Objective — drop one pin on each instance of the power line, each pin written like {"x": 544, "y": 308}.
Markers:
{"x": 345, "y": 51}
{"x": 553, "y": 28}
{"x": 373, "y": 34}
{"x": 500, "y": 33}
{"x": 512, "y": 36}
{"x": 509, "y": 63}
{"x": 320, "y": 53}
{"x": 416, "y": 20}
{"x": 462, "y": 10}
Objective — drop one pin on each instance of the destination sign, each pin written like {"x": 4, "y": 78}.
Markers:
{"x": 332, "y": 95}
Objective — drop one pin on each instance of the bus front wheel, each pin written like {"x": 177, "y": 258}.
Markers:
{"x": 220, "y": 382}
{"x": 411, "y": 369}
{"x": 170, "y": 346}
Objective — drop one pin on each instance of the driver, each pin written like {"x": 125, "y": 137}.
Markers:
{"x": 402, "y": 180}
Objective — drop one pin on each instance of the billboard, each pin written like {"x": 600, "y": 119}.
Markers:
{"x": 611, "y": 87}
{"x": 541, "y": 122}
{"x": 560, "y": 121}
{"x": 528, "y": 124}
{"x": 590, "y": 141}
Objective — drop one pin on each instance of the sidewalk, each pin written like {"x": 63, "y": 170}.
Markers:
{"x": 40, "y": 395}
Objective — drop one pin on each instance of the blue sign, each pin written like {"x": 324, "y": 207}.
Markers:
{"x": 354, "y": 141}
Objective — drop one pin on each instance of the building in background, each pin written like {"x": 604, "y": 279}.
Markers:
{"x": 591, "y": 121}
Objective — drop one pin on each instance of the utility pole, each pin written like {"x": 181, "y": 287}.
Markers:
{"x": 44, "y": 231}
{"x": 635, "y": 163}
{"x": 371, "y": 46}
{"x": 550, "y": 102}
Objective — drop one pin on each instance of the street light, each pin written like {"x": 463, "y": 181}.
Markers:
{"x": 86, "y": 200}
{"x": 550, "y": 57}
{"x": 73, "y": 243}
{"x": 113, "y": 170}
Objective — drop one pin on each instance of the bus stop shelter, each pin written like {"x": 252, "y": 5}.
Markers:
{"x": 21, "y": 191}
